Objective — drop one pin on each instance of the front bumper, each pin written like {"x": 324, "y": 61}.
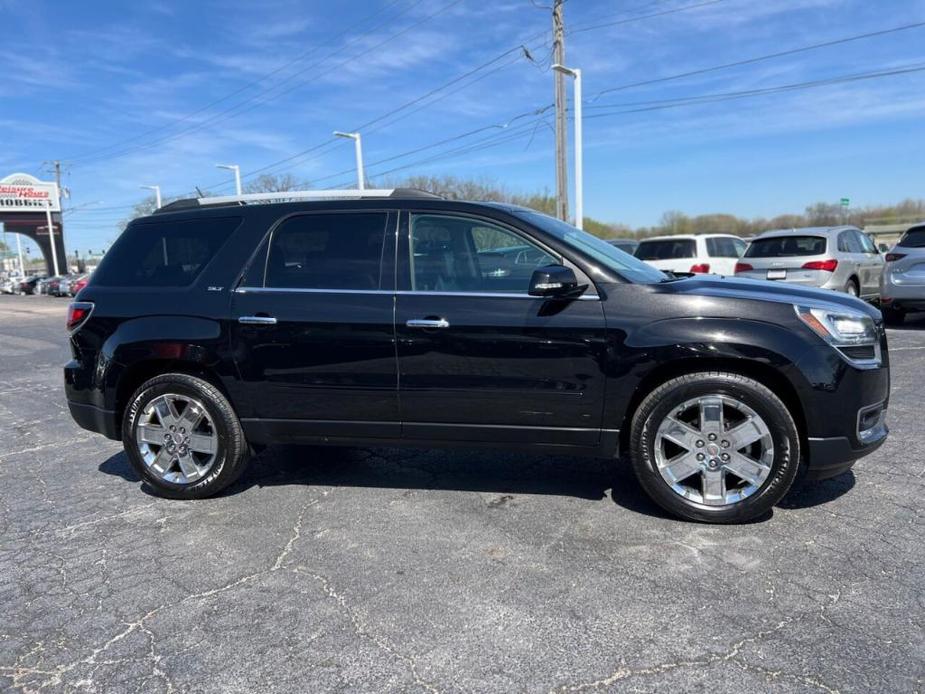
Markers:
{"x": 833, "y": 456}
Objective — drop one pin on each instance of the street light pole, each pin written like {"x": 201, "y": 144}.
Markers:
{"x": 22, "y": 267}
{"x": 157, "y": 195}
{"x": 237, "y": 175}
{"x": 358, "y": 145}
{"x": 579, "y": 146}
{"x": 51, "y": 236}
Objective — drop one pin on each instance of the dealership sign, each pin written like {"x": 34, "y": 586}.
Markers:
{"x": 24, "y": 193}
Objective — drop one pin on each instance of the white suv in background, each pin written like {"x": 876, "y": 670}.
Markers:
{"x": 715, "y": 254}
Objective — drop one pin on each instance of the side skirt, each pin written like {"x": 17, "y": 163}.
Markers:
{"x": 553, "y": 440}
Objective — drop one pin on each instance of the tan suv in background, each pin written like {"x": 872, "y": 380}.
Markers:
{"x": 842, "y": 258}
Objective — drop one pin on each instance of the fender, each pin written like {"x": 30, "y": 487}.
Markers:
{"x": 662, "y": 349}
{"x": 191, "y": 340}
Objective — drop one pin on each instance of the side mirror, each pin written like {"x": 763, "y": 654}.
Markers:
{"x": 555, "y": 281}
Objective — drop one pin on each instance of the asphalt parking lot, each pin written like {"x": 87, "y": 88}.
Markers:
{"x": 383, "y": 570}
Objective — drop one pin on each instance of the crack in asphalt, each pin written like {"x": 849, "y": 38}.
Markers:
{"x": 363, "y": 631}
{"x": 55, "y": 676}
{"x": 732, "y": 654}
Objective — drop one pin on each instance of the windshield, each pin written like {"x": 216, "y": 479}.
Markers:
{"x": 786, "y": 246}
{"x": 610, "y": 256}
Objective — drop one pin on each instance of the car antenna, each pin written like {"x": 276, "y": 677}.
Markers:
{"x": 199, "y": 191}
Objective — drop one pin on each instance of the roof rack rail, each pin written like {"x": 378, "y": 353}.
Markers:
{"x": 296, "y": 196}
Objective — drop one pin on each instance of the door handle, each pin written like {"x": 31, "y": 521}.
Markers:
{"x": 428, "y": 323}
{"x": 257, "y": 320}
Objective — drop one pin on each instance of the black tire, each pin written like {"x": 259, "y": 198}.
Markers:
{"x": 231, "y": 456}
{"x": 660, "y": 403}
{"x": 892, "y": 316}
{"x": 852, "y": 288}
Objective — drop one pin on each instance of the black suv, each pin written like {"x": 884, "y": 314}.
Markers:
{"x": 219, "y": 325}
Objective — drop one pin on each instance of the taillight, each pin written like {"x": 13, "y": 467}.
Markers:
{"x": 826, "y": 265}
{"x": 700, "y": 268}
{"x": 891, "y": 257}
{"x": 743, "y": 267}
{"x": 77, "y": 314}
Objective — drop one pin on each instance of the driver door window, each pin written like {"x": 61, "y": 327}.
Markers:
{"x": 463, "y": 254}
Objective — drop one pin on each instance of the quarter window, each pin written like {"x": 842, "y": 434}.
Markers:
{"x": 163, "y": 253}
{"x": 867, "y": 245}
{"x": 327, "y": 251}
{"x": 462, "y": 254}
{"x": 723, "y": 247}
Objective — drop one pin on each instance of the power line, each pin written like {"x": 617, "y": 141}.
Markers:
{"x": 729, "y": 96}
{"x": 322, "y": 147}
{"x": 454, "y": 138}
{"x": 256, "y": 82}
{"x": 259, "y": 99}
{"x": 757, "y": 59}
{"x": 522, "y": 130}
{"x": 673, "y": 10}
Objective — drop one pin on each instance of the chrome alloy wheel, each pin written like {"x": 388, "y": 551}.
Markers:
{"x": 714, "y": 450}
{"x": 176, "y": 438}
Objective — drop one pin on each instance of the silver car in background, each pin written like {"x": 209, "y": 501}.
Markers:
{"x": 902, "y": 288}
{"x": 842, "y": 258}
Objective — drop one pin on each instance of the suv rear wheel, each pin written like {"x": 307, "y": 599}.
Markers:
{"x": 182, "y": 436}
{"x": 714, "y": 447}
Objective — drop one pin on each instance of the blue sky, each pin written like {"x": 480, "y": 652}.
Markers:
{"x": 128, "y": 94}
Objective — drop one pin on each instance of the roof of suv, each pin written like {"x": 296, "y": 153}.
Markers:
{"x": 283, "y": 197}
{"x": 669, "y": 237}
{"x": 805, "y": 231}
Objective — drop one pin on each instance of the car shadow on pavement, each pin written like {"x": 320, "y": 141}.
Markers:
{"x": 817, "y": 493}
{"x": 493, "y": 472}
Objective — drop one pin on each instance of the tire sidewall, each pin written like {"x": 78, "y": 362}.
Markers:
{"x": 140, "y": 400}
{"x": 784, "y": 435}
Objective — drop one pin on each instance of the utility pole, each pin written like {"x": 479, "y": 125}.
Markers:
{"x": 558, "y": 57}
{"x": 579, "y": 164}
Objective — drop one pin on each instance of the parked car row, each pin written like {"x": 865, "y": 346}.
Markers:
{"x": 842, "y": 258}
{"x": 59, "y": 285}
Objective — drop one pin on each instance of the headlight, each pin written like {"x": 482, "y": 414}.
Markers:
{"x": 853, "y": 334}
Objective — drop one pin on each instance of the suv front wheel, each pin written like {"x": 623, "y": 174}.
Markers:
{"x": 183, "y": 437}
{"x": 714, "y": 447}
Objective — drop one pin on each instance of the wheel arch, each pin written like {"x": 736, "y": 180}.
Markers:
{"x": 137, "y": 373}
{"x": 759, "y": 371}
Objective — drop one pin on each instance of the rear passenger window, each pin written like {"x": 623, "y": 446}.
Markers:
{"x": 163, "y": 253}
{"x": 327, "y": 251}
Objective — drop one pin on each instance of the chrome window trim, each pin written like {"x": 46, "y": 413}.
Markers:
{"x": 489, "y": 295}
